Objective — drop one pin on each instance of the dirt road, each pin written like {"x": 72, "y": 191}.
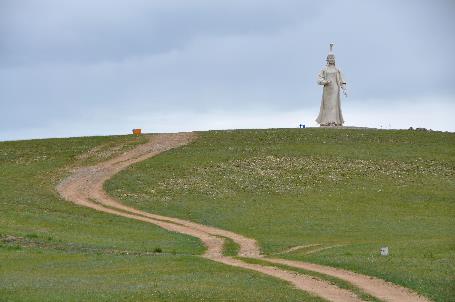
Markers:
{"x": 85, "y": 188}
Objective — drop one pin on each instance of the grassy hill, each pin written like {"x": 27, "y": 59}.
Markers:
{"x": 344, "y": 193}
{"x": 52, "y": 250}
{"x": 348, "y": 191}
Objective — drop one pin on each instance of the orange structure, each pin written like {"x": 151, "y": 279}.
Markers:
{"x": 137, "y": 131}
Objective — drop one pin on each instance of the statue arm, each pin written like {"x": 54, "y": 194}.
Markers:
{"x": 342, "y": 80}
{"x": 343, "y": 83}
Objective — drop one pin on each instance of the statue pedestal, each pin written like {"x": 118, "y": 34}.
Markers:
{"x": 344, "y": 127}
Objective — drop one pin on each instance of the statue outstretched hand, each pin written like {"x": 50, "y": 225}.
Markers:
{"x": 345, "y": 90}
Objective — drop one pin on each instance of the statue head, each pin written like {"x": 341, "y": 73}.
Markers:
{"x": 331, "y": 57}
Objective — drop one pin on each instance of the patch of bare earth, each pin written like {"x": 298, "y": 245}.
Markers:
{"x": 85, "y": 188}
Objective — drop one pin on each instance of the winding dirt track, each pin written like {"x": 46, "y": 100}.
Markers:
{"x": 85, "y": 188}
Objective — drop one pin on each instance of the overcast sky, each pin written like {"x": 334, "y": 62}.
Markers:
{"x": 85, "y": 67}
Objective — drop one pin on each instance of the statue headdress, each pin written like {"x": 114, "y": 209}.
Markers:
{"x": 331, "y": 55}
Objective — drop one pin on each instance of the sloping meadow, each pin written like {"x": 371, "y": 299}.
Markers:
{"x": 53, "y": 250}
{"x": 347, "y": 192}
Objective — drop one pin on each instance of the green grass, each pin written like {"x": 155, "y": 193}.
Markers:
{"x": 52, "y": 250}
{"x": 37, "y": 275}
{"x": 230, "y": 248}
{"x": 362, "y": 189}
{"x": 31, "y": 207}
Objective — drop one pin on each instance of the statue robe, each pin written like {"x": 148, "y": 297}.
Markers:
{"x": 330, "y": 112}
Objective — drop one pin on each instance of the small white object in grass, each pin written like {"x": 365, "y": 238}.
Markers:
{"x": 384, "y": 251}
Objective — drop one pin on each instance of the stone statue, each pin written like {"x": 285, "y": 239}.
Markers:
{"x": 332, "y": 80}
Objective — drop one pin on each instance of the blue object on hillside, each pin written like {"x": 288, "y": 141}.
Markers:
{"x": 301, "y": 126}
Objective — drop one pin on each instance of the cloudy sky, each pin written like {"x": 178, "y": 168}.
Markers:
{"x": 84, "y": 67}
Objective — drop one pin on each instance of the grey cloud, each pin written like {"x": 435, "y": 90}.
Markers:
{"x": 106, "y": 60}
{"x": 91, "y": 31}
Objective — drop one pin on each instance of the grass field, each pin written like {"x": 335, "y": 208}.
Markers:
{"x": 350, "y": 191}
{"x": 52, "y": 250}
